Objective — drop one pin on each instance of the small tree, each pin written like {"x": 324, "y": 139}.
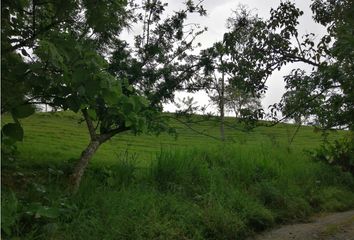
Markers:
{"x": 69, "y": 69}
{"x": 216, "y": 79}
{"x": 225, "y": 70}
{"x": 238, "y": 100}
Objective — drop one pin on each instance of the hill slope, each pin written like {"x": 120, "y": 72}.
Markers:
{"x": 62, "y": 135}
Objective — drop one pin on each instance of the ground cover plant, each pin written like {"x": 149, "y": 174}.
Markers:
{"x": 195, "y": 190}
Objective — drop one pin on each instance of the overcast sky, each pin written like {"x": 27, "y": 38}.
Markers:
{"x": 217, "y": 13}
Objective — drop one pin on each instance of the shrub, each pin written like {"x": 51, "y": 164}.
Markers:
{"x": 340, "y": 153}
{"x": 335, "y": 199}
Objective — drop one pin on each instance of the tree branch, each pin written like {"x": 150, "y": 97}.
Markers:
{"x": 194, "y": 130}
{"x": 106, "y": 136}
{"x": 34, "y": 18}
{"x": 24, "y": 42}
{"x": 89, "y": 123}
{"x": 302, "y": 59}
{"x": 148, "y": 24}
{"x": 299, "y": 45}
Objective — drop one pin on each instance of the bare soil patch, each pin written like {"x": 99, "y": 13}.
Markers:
{"x": 335, "y": 226}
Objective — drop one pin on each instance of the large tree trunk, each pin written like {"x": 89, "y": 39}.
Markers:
{"x": 81, "y": 165}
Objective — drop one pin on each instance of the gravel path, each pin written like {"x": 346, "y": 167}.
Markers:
{"x": 336, "y": 226}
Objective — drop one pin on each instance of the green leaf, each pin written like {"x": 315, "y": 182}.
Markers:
{"x": 128, "y": 123}
{"x": 104, "y": 83}
{"x": 110, "y": 97}
{"x": 141, "y": 124}
{"x": 137, "y": 102}
{"x": 140, "y": 101}
{"x": 22, "y": 111}
{"x": 117, "y": 89}
{"x": 91, "y": 87}
{"x": 131, "y": 119}
{"x": 80, "y": 75}
{"x": 13, "y": 130}
{"x": 49, "y": 51}
{"x": 110, "y": 181}
{"x": 130, "y": 88}
{"x": 126, "y": 84}
{"x": 92, "y": 113}
{"x": 9, "y": 213}
{"x": 144, "y": 101}
{"x": 128, "y": 106}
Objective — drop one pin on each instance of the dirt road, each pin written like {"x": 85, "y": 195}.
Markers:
{"x": 336, "y": 226}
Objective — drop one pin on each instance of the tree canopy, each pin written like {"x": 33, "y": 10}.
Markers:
{"x": 326, "y": 93}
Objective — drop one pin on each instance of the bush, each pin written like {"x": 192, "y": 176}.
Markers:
{"x": 335, "y": 199}
{"x": 340, "y": 153}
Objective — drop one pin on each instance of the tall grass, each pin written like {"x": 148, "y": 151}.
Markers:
{"x": 219, "y": 192}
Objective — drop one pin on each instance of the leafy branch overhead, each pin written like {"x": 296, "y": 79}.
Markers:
{"x": 326, "y": 93}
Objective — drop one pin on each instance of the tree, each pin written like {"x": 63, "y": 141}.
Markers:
{"x": 326, "y": 93}
{"x": 239, "y": 101}
{"x": 224, "y": 66}
{"x": 52, "y": 51}
{"x": 333, "y": 78}
{"x": 215, "y": 57}
{"x": 68, "y": 66}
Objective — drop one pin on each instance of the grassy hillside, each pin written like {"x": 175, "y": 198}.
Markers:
{"x": 159, "y": 187}
{"x": 62, "y": 135}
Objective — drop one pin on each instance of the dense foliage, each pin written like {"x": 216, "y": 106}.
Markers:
{"x": 339, "y": 153}
{"x": 52, "y": 54}
{"x": 61, "y": 53}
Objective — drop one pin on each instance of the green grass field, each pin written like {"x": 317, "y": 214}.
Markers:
{"x": 60, "y": 136}
{"x": 160, "y": 187}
